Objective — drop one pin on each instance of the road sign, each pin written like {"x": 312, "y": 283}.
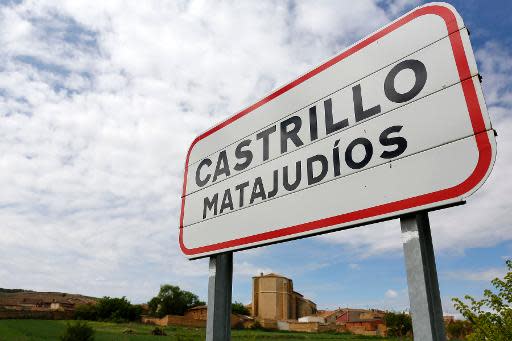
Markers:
{"x": 394, "y": 124}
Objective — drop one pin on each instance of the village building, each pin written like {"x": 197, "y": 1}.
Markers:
{"x": 330, "y": 316}
{"x": 197, "y": 313}
{"x": 356, "y": 315}
{"x": 273, "y": 298}
{"x": 275, "y": 304}
{"x": 362, "y": 321}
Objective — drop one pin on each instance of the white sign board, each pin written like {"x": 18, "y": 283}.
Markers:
{"x": 396, "y": 123}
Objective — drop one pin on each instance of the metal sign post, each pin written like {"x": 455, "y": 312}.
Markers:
{"x": 218, "y": 325}
{"x": 424, "y": 297}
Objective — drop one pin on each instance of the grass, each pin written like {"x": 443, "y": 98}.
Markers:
{"x": 46, "y": 330}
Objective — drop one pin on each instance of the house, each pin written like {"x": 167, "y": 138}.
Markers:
{"x": 197, "y": 313}
{"x": 330, "y": 316}
{"x": 61, "y": 306}
{"x": 353, "y": 315}
{"x": 362, "y": 321}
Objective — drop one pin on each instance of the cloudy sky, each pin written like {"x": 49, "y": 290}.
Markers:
{"x": 100, "y": 100}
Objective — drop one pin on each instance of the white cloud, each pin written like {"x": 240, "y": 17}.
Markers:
{"x": 248, "y": 269}
{"x": 99, "y": 104}
{"x": 392, "y": 300}
{"x": 354, "y": 266}
{"x": 390, "y": 293}
{"x": 485, "y": 275}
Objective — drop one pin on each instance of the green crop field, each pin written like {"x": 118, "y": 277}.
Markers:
{"x": 45, "y": 330}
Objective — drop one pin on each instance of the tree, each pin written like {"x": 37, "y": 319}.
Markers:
{"x": 171, "y": 300}
{"x": 398, "y": 324}
{"x": 239, "y": 308}
{"x": 153, "y": 306}
{"x": 86, "y": 312}
{"x": 116, "y": 309}
{"x": 490, "y": 317}
{"x": 109, "y": 309}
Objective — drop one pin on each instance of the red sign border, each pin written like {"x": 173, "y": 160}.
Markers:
{"x": 475, "y": 113}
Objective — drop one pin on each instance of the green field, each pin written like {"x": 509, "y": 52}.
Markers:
{"x": 43, "y": 330}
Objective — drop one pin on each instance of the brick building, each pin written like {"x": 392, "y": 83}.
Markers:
{"x": 273, "y": 298}
{"x": 330, "y": 316}
{"x": 197, "y": 313}
{"x": 362, "y": 321}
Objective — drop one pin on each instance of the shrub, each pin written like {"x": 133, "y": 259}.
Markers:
{"x": 239, "y": 308}
{"x": 490, "y": 317}
{"x": 86, "y": 312}
{"x": 79, "y": 331}
{"x": 398, "y": 324}
{"x": 158, "y": 331}
{"x": 128, "y": 331}
{"x": 256, "y": 326}
{"x": 458, "y": 329}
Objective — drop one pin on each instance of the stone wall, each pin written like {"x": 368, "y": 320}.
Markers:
{"x": 309, "y": 327}
{"x": 185, "y": 321}
{"x": 154, "y": 320}
{"x": 173, "y": 320}
{"x": 367, "y": 328}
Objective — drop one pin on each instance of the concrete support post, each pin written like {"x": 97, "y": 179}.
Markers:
{"x": 424, "y": 297}
{"x": 218, "y": 325}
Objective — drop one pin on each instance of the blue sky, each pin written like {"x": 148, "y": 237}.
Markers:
{"x": 99, "y": 103}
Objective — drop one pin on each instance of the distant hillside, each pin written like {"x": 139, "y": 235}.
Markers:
{"x": 14, "y": 297}
{"x": 4, "y": 290}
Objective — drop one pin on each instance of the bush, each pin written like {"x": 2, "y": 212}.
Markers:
{"x": 86, "y": 312}
{"x": 79, "y": 331}
{"x": 490, "y": 317}
{"x": 128, "y": 331}
{"x": 256, "y": 326}
{"x": 458, "y": 329}
{"x": 398, "y": 324}
{"x": 158, "y": 331}
{"x": 239, "y": 308}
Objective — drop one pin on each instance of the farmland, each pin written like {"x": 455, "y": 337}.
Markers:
{"x": 46, "y": 330}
